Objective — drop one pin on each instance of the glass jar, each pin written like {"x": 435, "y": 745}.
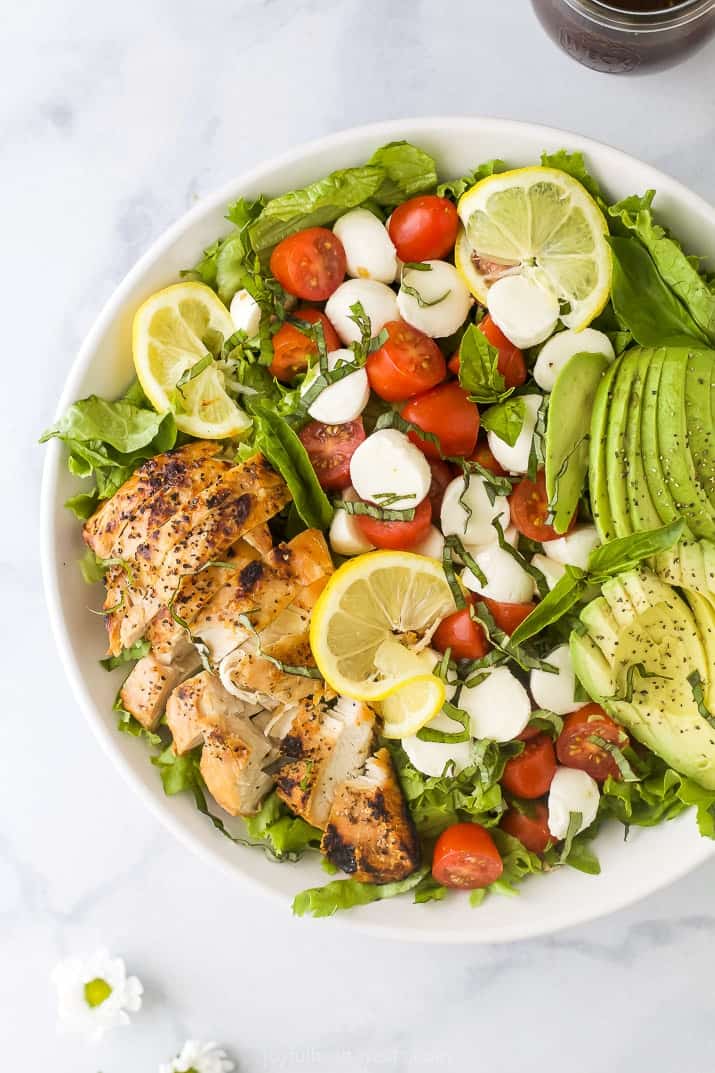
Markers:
{"x": 628, "y": 36}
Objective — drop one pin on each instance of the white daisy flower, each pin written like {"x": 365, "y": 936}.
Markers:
{"x": 94, "y": 994}
{"x": 198, "y": 1057}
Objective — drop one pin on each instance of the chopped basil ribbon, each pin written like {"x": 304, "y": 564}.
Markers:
{"x": 536, "y": 450}
{"x": 456, "y": 545}
{"x": 423, "y": 303}
{"x": 445, "y": 737}
{"x": 626, "y": 771}
{"x": 194, "y": 370}
{"x": 696, "y": 684}
{"x": 629, "y": 688}
{"x": 575, "y": 820}
{"x": 501, "y": 640}
{"x": 532, "y": 571}
{"x": 286, "y": 668}
{"x": 372, "y": 510}
{"x": 201, "y": 647}
{"x": 450, "y": 574}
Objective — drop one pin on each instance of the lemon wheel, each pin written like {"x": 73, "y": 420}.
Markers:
{"x": 537, "y": 220}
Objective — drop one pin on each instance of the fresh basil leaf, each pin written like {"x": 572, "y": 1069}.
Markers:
{"x": 643, "y": 303}
{"x": 505, "y": 419}
{"x": 676, "y": 269}
{"x": 408, "y": 171}
{"x": 347, "y": 893}
{"x": 524, "y": 563}
{"x": 279, "y": 443}
{"x": 564, "y": 596}
{"x": 454, "y": 188}
{"x": 623, "y": 553}
{"x": 478, "y": 368}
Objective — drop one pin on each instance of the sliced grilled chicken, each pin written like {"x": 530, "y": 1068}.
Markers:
{"x": 323, "y": 747}
{"x": 369, "y": 833}
{"x": 107, "y": 523}
{"x": 252, "y": 675}
{"x": 234, "y": 751}
{"x": 146, "y": 690}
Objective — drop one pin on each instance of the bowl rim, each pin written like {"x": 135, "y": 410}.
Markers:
{"x": 381, "y": 131}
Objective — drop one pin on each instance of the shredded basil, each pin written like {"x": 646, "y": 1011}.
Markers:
{"x": 531, "y": 570}
{"x": 696, "y": 684}
{"x": 626, "y": 771}
{"x": 575, "y": 820}
{"x": 457, "y": 546}
{"x": 371, "y": 510}
{"x": 286, "y": 668}
{"x": 629, "y": 687}
{"x": 423, "y": 303}
{"x": 450, "y": 574}
{"x": 501, "y": 640}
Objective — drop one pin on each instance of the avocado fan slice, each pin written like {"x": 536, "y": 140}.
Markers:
{"x": 641, "y": 508}
{"x": 597, "y": 481}
{"x": 700, "y": 416}
{"x": 677, "y": 461}
{"x": 617, "y": 464}
{"x": 650, "y": 449}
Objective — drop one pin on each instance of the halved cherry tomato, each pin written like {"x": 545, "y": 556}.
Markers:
{"x": 424, "y": 228}
{"x": 510, "y": 361}
{"x": 529, "y": 774}
{"x": 310, "y": 264}
{"x": 450, "y": 415}
{"x": 574, "y": 749}
{"x": 292, "y": 348}
{"x": 485, "y": 458}
{"x": 406, "y": 364}
{"x": 531, "y": 828}
{"x": 463, "y": 635}
{"x": 530, "y": 509}
{"x": 528, "y": 733}
{"x": 508, "y": 616}
{"x": 397, "y": 535}
{"x": 465, "y": 857}
{"x": 330, "y": 448}
{"x": 441, "y": 477}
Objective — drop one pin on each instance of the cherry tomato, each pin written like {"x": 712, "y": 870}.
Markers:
{"x": 330, "y": 448}
{"x": 528, "y": 733}
{"x": 463, "y": 635}
{"x": 424, "y": 228}
{"x": 310, "y": 264}
{"x": 397, "y": 535}
{"x": 507, "y": 616}
{"x": 447, "y": 412}
{"x": 574, "y": 749}
{"x": 532, "y": 829}
{"x": 529, "y": 774}
{"x": 510, "y": 361}
{"x": 465, "y": 857}
{"x": 292, "y": 348}
{"x": 530, "y": 509}
{"x": 441, "y": 477}
{"x": 406, "y": 364}
{"x": 486, "y": 459}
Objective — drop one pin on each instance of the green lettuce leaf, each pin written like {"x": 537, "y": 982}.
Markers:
{"x": 347, "y": 893}
{"x": 575, "y": 166}
{"x": 505, "y": 419}
{"x": 643, "y": 303}
{"x": 660, "y": 794}
{"x": 288, "y": 835}
{"x": 408, "y": 171}
{"x": 454, "y": 188}
{"x": 127, "y": 655}
{"x": 222, "y": 263}
{"x": 675, "y": 268}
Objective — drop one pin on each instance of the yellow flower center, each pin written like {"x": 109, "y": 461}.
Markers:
{"x": 96, "y": 992}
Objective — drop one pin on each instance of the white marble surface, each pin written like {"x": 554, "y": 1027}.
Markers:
{"x": 113, "y": 119}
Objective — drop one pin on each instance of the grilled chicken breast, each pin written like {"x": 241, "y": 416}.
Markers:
{"x": 146, "y": 690}
{"x": 369, "y": 833}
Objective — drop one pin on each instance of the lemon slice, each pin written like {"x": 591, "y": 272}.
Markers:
{"x": 168, "y": 340}
{"x": 382, "y": 596}
{"x": 536, "y": 220}
{"x": 409, "y": 707}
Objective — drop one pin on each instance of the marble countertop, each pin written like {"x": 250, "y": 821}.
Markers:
{"x": 113, "y": 121}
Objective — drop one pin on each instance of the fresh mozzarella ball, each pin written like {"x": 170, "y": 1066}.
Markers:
{"x": 344, "y": 400}
{"x": 346, "y": 537}
{"x": 574, "y": 548}
{"x": 561, "y": 348}
{"x": 516, "y": 459}
{"x": 445, "y": 316}
{"x": 507, "y": 580}
{"x": 499, "y": 707}
{"x": 245, "y": 313}
{"x": 525, "y": 310}
{"x": 378, "y": 301}
{"x": 473, "y": 529}
{"x": 387, "y": 463}
{"x": 551, "y": 570}
{"x": 431, "y": 545}
{"x": 555, "y": 691}
{"x": 430, "y": 757}
{"x": 368, "y": 248}
{"x": 571, "y": 790}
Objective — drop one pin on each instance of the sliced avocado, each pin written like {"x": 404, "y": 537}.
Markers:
{"x": 641, "y": 507}
{"x": 597, "y": 482}
{"x": 677, "y": 461}
{"x": 650, "y": 448}
{"x": 591, "y": 667}
{"x": 567, "y": 434}
{"x": 709, "y": 564}
{"x": 704, "y": 614}
{"x": 619, "y": 601}
{"x": 617, "y": 469}
{"x": 692, "y": 566}
{"x": 658, "y": 646}
{"x": 699, "y": 401}
{"x": 602, "y": 626}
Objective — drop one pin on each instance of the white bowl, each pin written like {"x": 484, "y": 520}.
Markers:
{"x": 650, "y": 858}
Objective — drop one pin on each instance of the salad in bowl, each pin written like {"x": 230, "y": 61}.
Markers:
{"x": 407, "y": 526}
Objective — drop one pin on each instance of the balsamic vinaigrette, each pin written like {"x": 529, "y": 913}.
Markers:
{"x": 628, "y": 36}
